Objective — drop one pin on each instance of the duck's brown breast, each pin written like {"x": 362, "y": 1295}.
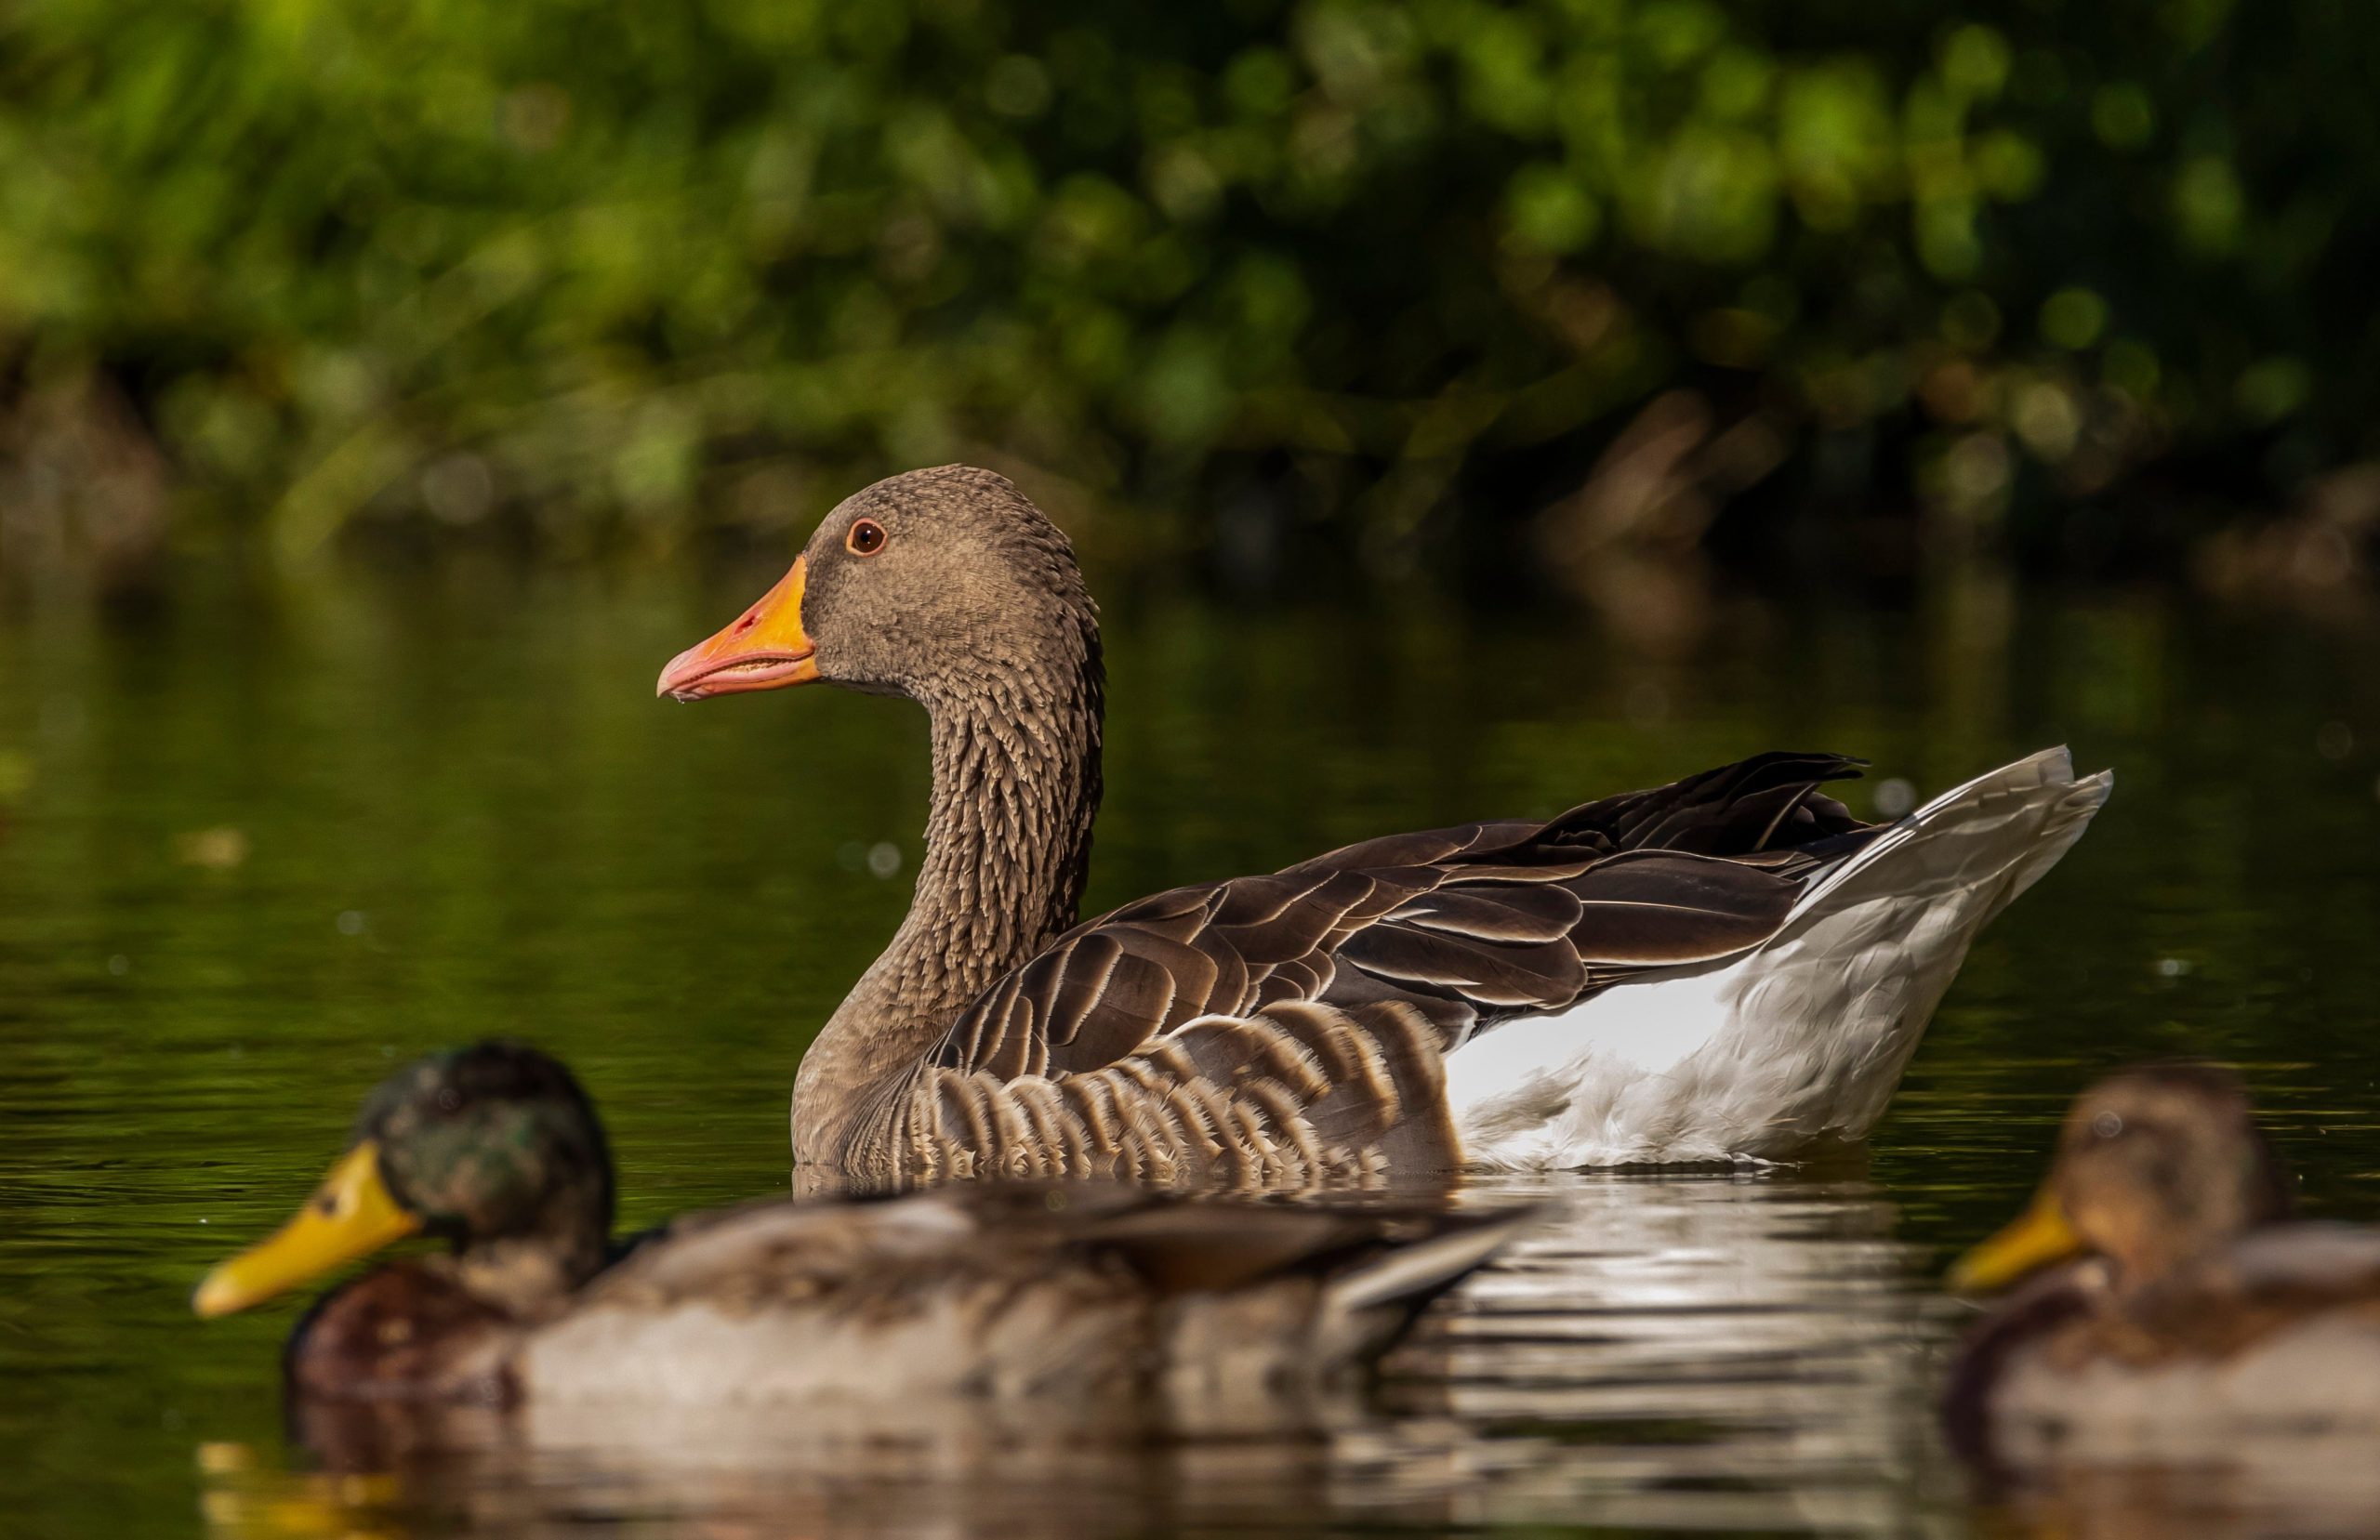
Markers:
{"x": 402, "y": 1332}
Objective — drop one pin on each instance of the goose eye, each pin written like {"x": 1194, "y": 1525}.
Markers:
{"x": 865, "y": 539}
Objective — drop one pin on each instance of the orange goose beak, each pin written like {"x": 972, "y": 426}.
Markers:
{"x": 765, "y": 649}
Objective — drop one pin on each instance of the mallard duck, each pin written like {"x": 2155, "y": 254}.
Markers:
{"x": 1729, "y": 966}
{"x": 986, "y": 1290}
{"x": 2172, "y": 1300}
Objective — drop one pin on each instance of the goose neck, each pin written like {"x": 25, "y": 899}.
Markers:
{"x": 1017, "y": 785}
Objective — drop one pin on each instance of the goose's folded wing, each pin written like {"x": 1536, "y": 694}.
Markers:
{"x": 1105, "y": 989}
{"x": 1473, "y": 924}
{"x": 1760, "y": 809}
{"x": 1757, "y": 809}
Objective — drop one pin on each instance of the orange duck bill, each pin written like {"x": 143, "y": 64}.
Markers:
{"x": 766, "y": 649}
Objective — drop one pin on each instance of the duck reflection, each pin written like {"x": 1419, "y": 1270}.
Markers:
{"x": 1704, "y": 1351}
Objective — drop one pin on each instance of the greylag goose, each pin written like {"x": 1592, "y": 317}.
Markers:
{"x": 1729, "y": 967}
{"x": 992, "y": 1290}
{"x": 2175, "y": 1308}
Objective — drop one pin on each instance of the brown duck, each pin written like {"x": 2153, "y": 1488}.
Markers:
{"x": 2178, "y": 1307}
{"x": 1727, "y": 967}
{"x": 1109, "y": 1293}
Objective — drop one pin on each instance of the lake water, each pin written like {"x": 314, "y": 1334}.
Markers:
{"x": 258, "y": 842}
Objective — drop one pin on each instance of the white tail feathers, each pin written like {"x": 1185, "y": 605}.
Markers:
{"x": 1995, "y": 836}
{"x": 1834, "y": 1005}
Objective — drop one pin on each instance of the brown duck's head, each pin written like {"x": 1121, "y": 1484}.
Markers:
{"x": 934, "y": 585}
{"x": 2154, "y": 1166}
{"x": 489, "y": 1146}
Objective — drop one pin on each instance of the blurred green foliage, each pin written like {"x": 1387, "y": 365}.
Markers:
{"x": 666, "y": 263}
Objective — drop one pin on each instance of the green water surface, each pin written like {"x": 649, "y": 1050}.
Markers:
{"x": 259, "y": 842}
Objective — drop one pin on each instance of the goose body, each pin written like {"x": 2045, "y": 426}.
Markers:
{"x": 2174, "y": 1309}
{"x": 1200, "y": 1309}
{"x": 1730, "y": 966}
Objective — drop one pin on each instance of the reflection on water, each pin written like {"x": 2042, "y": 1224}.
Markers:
{"x": 254, "y": 847}
{"x": 1737, "y": 1351}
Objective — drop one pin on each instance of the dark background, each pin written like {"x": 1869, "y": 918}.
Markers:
{"x": 1523, "y": 292}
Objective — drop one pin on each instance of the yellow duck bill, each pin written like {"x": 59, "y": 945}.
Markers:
{"x": 2039, "y": 1237}
{"x": 352, "y": 1214}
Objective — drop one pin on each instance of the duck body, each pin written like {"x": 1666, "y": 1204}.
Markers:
{"x": 2185, "y": 1315}
{"x": 1727, "y": 967}
{"x": 1210, "y": 1310}
{"x": 979, "y": 1290}
{"x": 2277, "y": 1334}
{"x": 408, "y": 1331}
{"x": 1102, "y": 1292}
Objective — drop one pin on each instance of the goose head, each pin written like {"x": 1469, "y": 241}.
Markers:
{"x": 2154, "y": 1166}
{"x": 939, "y": 585}
{"x": 494, "y": 1147}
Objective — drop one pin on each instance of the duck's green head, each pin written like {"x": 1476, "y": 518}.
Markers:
{"x": 2154, "y": 1166}
{"x": 493, "y": 1143}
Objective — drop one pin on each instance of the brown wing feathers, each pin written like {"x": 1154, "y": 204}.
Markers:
{"x": 1755, "y": 804}
{"x": 1283, "y": 1027}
